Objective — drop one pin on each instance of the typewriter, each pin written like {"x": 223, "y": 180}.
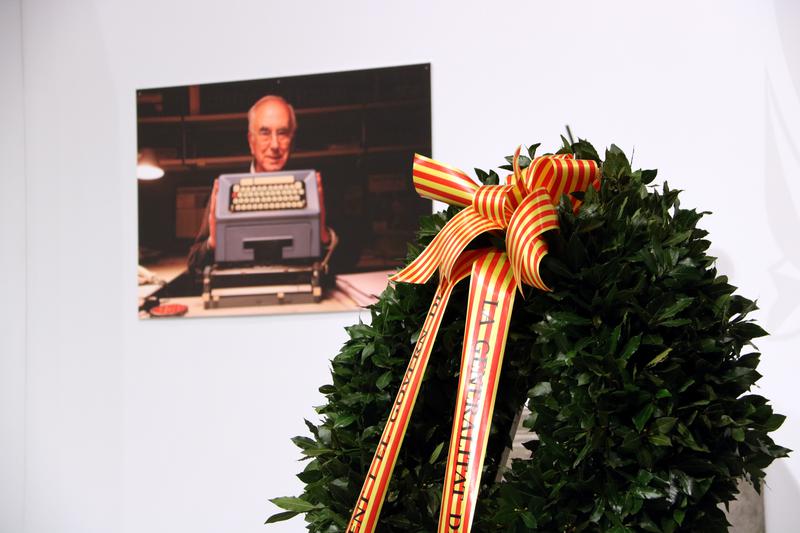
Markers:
{"x": 269, "y": 233}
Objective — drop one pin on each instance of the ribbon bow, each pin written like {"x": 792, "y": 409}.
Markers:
{"x": 525, "y": 208}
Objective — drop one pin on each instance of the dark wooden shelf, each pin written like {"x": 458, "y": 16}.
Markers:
{"x": 309, "y": 111}
{"x": 178, "y": 165}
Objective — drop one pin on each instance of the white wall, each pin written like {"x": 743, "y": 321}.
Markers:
{"x": 12, "y": 270}
{"x": 775, "y": 275}
{"x": 163, "y": 426}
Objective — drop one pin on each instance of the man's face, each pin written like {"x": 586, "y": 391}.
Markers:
{"x": 270, "y": 136}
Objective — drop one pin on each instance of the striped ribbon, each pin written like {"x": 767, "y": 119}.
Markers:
{"x": 491, "y": 296}
{"x": 525, "y": 208}
{"x": 371, "y": 499}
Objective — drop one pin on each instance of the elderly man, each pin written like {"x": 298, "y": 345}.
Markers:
{"x": 271, "y": 128}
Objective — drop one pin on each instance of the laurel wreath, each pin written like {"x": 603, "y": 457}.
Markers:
{"x": 637, "y": 371}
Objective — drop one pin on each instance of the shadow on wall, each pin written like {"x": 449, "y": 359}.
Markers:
{"x": 781, "y": 154}
{"x": 782, "y": 173}
{"x": 787, "y": 14}
{"x": 783, "y": 492}
{"x": 782, "y": 168}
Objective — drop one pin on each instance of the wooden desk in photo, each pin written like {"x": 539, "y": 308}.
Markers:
{"x": 350, "y": 293}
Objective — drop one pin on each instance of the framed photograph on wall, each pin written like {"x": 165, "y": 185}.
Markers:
{"x": 278, "y": 195}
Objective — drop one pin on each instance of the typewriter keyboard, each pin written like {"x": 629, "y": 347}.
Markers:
{"x": 268, "y": 194}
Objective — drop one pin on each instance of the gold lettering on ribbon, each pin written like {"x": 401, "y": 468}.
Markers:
{"x": 480, "y": 350}
{"x": 372, "y": 493}
{"x": 491, "y": 296}
{"x": 370, "y": 485}
{"x": 525, "y": 209}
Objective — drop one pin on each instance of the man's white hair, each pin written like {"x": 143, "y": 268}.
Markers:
{"x": 251, "y": 114}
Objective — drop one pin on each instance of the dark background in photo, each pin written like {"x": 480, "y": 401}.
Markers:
{"x": 359, "y": 129}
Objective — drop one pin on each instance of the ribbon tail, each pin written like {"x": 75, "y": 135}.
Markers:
{"x": 491, "y": 298}
{"x": 370, "y": 501}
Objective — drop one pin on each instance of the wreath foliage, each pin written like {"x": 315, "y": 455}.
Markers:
{"x": 637, "y": 370}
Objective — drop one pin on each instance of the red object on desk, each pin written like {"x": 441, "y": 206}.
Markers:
{"x": 168, "y": 310}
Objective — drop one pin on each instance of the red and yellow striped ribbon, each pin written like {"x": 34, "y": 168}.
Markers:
{"x": 525, "y": 209}
{"x": 439, "y": 181}
{"x": 491, "y": 297}
{"x": 370, "y": 500}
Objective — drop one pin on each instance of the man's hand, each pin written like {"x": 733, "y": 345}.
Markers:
{"x": 212, "y": 218}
